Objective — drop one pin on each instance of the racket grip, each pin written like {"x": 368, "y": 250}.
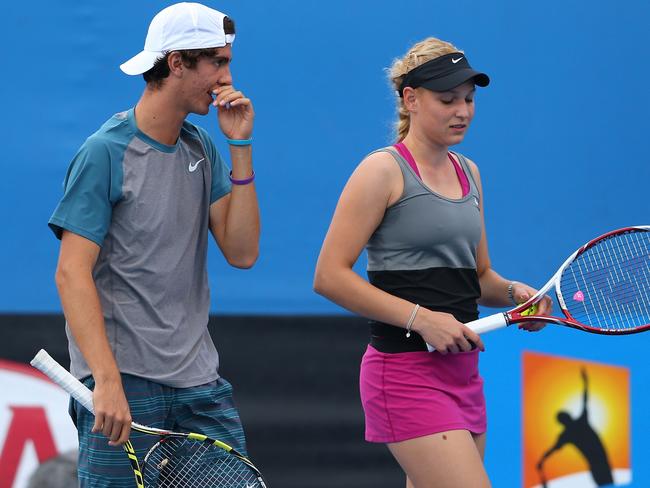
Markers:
{"x": 57, "y": 373}
{"x": 486, "y": 324}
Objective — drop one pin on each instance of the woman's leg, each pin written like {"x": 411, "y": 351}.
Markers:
{"x": 479, "y": 440}
{"x": 449, "y": 459}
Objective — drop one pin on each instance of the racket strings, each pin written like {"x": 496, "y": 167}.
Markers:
{"x": 623, "y": 297}
{"x": 179, "y": 462}
{"x": 608, "y": 285}
{"x": 610, "y": 281}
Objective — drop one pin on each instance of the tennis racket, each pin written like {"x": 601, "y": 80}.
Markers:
{"x": 177, "y": 460}
{"x": 603, "y": 287}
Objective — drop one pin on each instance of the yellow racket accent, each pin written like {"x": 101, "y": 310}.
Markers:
{"x": 223, "y": 446}
{"x": 532, "y": 310}
{"x": 196, "y": 437}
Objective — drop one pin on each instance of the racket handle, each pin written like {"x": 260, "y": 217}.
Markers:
{"x": 57, "y": 373}
{"x": 486, "y": 324}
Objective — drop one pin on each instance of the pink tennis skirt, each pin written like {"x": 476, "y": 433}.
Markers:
{"x": 413, "y": 394}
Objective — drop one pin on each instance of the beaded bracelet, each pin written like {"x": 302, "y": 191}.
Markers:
{"x": 411, "y": 319}
{"x": 245, "y": 181}
{"x": 510, "y": 295}
{"x": 240, "y": 142}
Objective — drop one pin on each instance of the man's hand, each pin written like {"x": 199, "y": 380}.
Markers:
{"x": 235, "y": 112}
{"x": 112, "y": 413}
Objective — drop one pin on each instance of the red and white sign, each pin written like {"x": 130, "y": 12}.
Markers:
{"x": 34, "y": 422}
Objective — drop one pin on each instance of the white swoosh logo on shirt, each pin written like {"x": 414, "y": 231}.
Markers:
{"x": 456, "y": 60}
{"x": 192, "y": 167}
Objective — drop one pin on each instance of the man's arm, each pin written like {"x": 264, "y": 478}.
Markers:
{"x": 235, "y": 218}
{"x": 84, "y": 316}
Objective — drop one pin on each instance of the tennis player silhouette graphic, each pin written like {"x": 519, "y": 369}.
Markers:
{"x": 582, "y": 435}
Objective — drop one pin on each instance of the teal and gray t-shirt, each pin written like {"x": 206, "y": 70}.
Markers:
{"x": 147, "y": 205}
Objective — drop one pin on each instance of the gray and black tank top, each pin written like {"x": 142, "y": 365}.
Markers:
{"x": 424, "y": 251}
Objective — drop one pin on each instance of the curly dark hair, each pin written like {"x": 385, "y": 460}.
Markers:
{"x": 155, "y": 77}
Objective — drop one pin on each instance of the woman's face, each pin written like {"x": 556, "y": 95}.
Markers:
{"x": 444, "y": 117}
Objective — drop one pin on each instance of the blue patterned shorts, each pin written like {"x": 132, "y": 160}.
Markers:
{"x": 207, "y": 409}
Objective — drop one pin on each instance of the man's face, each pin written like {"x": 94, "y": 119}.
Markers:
{"x": 209, "y": 73}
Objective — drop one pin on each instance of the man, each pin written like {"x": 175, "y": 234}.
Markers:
{"x": 139, "y": 198}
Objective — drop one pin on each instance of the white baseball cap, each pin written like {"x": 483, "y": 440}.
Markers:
{"x": 177, "y": 27}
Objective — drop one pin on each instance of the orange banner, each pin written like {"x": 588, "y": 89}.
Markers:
{"x": 576, "y": 422}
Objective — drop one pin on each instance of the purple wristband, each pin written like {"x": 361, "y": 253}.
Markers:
{"x": 244, "y": 181}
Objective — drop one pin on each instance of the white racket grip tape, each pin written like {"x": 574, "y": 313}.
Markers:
{"x": 57, "y": 373}
{"x": 486, "y": 324}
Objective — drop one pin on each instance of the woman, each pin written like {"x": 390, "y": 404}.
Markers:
{"x": 418, "y": 210}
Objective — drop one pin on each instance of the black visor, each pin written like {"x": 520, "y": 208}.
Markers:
{"x": 443, "y": 73}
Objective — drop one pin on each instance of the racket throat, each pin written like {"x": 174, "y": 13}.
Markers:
{"x": 135, "y": 466}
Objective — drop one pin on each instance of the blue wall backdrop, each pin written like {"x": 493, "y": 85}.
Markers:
{"x": 560, "y": 136}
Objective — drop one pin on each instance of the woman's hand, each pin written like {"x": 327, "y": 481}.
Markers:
{"x": 445, "y": 333}
{"x": 522, "y": 292}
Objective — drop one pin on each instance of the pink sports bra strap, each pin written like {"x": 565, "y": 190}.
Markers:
{"x": 406, "y": 154}
{"x": 462, "y": 177}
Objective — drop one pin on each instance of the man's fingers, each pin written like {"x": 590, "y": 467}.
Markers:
{"x": 107, "y": 428}
{"x": 228, "y": 96}
{"x": 241, "y": 102}
{"x": 121, "y": 435}
{"x": 99, "y": 423}
{"x": 116, "y": 431}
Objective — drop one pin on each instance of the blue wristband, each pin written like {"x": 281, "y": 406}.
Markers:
{"x": 240, "y": 142}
